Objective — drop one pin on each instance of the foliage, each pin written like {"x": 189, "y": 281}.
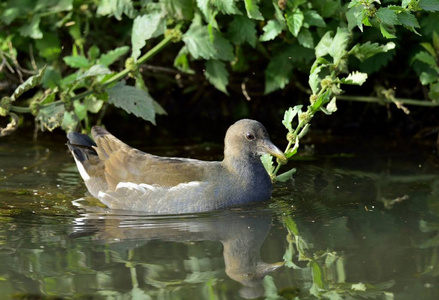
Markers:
{"x": 77, "y": 52}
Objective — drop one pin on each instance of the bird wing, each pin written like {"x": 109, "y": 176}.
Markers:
{"x": 124, "y": 163}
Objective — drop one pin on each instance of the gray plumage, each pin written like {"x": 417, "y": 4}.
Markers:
{"x": 123, "y": 177}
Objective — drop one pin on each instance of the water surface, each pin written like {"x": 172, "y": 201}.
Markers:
{"x": 354, "y": 223}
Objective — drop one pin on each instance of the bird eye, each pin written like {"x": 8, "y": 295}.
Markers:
{"x": 249, "y": 136}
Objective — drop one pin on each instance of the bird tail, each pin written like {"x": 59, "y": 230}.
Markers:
{"x": 81, "y": 146}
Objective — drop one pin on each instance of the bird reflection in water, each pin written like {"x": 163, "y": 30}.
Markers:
{"x": 241, "y": 233}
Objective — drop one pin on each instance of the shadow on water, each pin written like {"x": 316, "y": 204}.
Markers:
{"x": 347, "y": 227}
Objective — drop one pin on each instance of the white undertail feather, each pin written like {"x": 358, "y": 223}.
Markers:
{"x": 81, "y": 169}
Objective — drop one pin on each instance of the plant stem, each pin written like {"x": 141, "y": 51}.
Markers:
{"x": 156, "y": 49}
{"x": 378, "y": 100}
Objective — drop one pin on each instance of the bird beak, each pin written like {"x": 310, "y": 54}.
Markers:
{"x": 270, "y": 148}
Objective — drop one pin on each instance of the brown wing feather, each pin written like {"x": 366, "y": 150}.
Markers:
{"x": 126, "y": 164}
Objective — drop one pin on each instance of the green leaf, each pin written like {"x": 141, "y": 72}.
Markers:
{"x": 339, "y": 44}
{"x": 50, "y": 116}
{"x": 49, "y": 47}
{"x": 286, "y": 175}
{"x": 32, "y": 29}
{"x": 227, "y": 7}
{"x": 93, "y": 104}
{"x": 385, "y": 33}
{"x": 80, "y": 110}
{"x": 368, "y": 49}
{"x": 93, "y": 52}
{"x": 356, "y": 78}
{"x": 69, "y": 122}
{"x": 51, "y": 78}
{"x": 217, "y": 74}
{"x": 116, "y": 8}
{"x": 332, "y": 106}
{"x": 95, "y": 70}
{"x": 429, "y": 5}
{"x": 77, "y": 61}
{"x": 199, "y": 44}
{"x": 28, "y": 84}
{"x": 178, "y": 10}
{"x": 267, "y": 161}
{"x": 242, "y": 30}
{"x": 113, "y": 55}
{"x": 387, "y": 16}
{"x": 278, "y": 73}
{"x": 408, "y": 19}
{"x": 430, "y": 49}
{"x": 425, "y": 57}
{"x": 314, "y": 79}
{"x": 312, "y": 18}
{"x": 181, "y": 61}
{"x": 252, "y": 9}
{"x": 132, "y": 100}
{"x": 324, "y": 44}
{"x": 271, "y": 30}
{"x": 305, "y": 38}
{"x": 144, "y": 28}
{"x": 428, "y": 77}
{"x": 295, "y": 21}
{"x": 204, "y": 7}
{"x": 289, "y": 116}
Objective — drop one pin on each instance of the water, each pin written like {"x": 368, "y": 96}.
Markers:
{"x": 358, "y": 224}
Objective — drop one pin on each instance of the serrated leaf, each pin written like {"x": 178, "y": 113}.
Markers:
{"x": 116, "y": 8}
{"x": 408, "y": 19}
{"x": 199, "y": 44}
{"x": 144, "y": 28}
{"x": 31, "y": 82}
{"x": 252, "y": 8}
{"x": 32, "y": 29}
{"x": 295, "y": 21}
{"x": 227, "y": 7}
{"x": 305, "y": 38}
{"x": 314, "y": 80}
{"x": 77, "y": 61}
{"x": 324, "y": 44}
{"x": 50, "y": 116}
{"x": 339, "y": 44}
{"x": 312, "y": 18}
{"x": 267, "y": 161}
{"x": 113, "y": 55}
{"x": 178, "y": 10}
{"x": 368, "y": 49}
{"x": 385, "y": 33}
{"x": 132, "y": 100}
{"x": 217, "y": 74}
{"x": 286, "y": 175}
{"x": 95, "y": 70}
{"x": 355, "y": 77}
{"x": 242, "y": 30}
{"x": 271, "y": 30}
{"x": 387, "y": 16}
{"x": 278, "y": 73}
{"x": 289, "y": 116}
{"x": 429, "y": 5}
